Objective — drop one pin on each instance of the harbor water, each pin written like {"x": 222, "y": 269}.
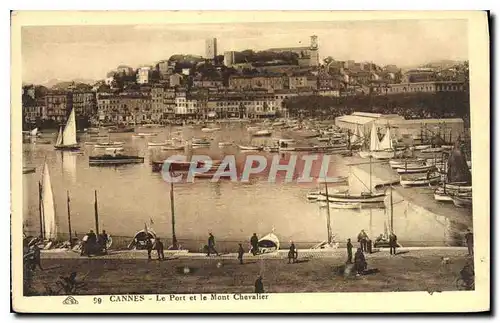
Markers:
{"x": 132, "y": 196}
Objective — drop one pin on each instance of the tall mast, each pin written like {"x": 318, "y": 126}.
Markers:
{"x": 370, "y": 174}
{"x": 172, "y": 211}
{"x": 69, "y": 224}
{"x": 328, "y": 228}
{"x": 96, "y": 213}
{"x": 392, "y": 213}
{"x": 40, "y": 210}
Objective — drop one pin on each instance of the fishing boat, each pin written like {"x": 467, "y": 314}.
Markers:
{"x": 422, "y": 147}
{"x": 33, "y": 133}
{"x": 256, "y": 148}
{"x": 173, "y": 147}
{"x": 225, "y": 144}
{"x": 415, "y": 169}
{"x": 144, "y": 134}
{"x": 262, "y": 133}
{"x": 322, "y": 139}
{"x": 121, "y": 129}
{"x": 363, "y": 197}
{"x": 364, "y": 154}
{"x": 159, "y": 144}
{"x": 93, "y": 130}
{"x": 432, "y": 150}
{"x": 139, "y": 242}
{"x": 287, "y": 148}
{"x": 419, "y": 180}
{"x": 29, "y": 170}
{"x": 337, "y": 179}
{"x": 251, "y": 129}
{"x": 210, "y": 129}
{"x": 458, "y": 187}
{"x": 114, "y": 144}
{"x": 447, "y": 147}
{"x": 465, "y": 202}
{"x": 268, "y": 243}
{"x": 66, "y": 139}
{"x": 441, "y": 196}
{"x": 271, "y": 149}
{"x": 278, "y": 124}
{"x": 402, "y": 162}
{"x": 200, "y": 144}
{"x": 210, "y": 175}
{"x": 104, "y": 160}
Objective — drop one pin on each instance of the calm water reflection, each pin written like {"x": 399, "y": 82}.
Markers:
{"x": 130, "y": 196}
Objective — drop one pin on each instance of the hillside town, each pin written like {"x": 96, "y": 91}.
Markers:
{"x": 278, "y": 82}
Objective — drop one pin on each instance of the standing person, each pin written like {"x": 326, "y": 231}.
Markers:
{"x": 349, "y": 251}
{"x": 254, "y": 242}
{"x": 259, "y": 286}
{"x": 359, "y": 261}
{"x": 37, "y": 258}
{"x": 469, "y": 239}
{"x": 211, "y": 244}
{"x": 105, "y": 239}
{"x": 149, "y": 247}
{"x": 240, "y": 254}
{"x": 292, "y": 253}
{"x": 393, "y": 243}
{"x": 362, "y": 239}
{"x": 91, "y": 242}
{"x": 159, "y": 249}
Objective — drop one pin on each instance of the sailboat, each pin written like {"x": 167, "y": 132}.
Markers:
{"x": 66, "y": 139}
{"x": 357, "y": 138}
{"x": 47, "y": 208}
{"x": 385, "y": 148}
{"x": 374, "y": 144}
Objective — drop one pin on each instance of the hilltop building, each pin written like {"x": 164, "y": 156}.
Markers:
{"x": 308, "y": 56}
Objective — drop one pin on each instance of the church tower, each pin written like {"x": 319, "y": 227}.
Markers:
{"x": 314, "y": 58}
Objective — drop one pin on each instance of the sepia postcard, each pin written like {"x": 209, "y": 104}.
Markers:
{"x": 250, "y": 162}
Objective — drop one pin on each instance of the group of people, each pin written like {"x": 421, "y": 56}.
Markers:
{"x": 365, "y": 245}
{"x": 158, "y": 246}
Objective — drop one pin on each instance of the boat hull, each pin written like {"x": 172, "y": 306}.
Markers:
{"x": 122, "y": 160}
{"x": 419, "y": 181}
{"x": 415, "y": 170}
{"x": 346, "y": 198}
{"x": 68, "y": 147}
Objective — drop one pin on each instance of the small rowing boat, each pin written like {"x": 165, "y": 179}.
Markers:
{"x": 338, "y": 205}
{"x": 241, "y": 147}
{"x": 419, "y": 181}
{"x": 159, "y": 144}
{"x": 415, "y": 169}
{"x": 432, "y": 150}
{"x": 225, "y": 144}
{"x": 262, "y": 133}
{"x": 210, "y": 129}
{"x": 28, "y": 170}
{"x": 104, "y": 160}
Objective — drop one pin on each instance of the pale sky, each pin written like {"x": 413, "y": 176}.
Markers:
{"x": 89, "y": 52}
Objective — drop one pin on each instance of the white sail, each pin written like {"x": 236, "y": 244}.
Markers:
{"x": 48, "y": 208}
{"x": 374, "y": 142}
{"x": 34, "y": 132}
{"x": 59, "y": 137}
{"x": 356, "y": 137}
{"x": 69, "y": 133}
{"x": 386, "y": 142}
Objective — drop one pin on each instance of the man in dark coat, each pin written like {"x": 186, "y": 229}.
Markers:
{"x": 254, "y": 242}
{"x": 240, "y": 254}
{"x": 149, "y": 247}
{"x": 159, "y": 249}
{"x": 359, "y": 261}
{"x": 469, "y": 239}
{"x": 349, "y": 251}
{"x": 292, "y": 253}
{"x": 211, "y": 244}
{"x": 259, "y": 286}
{"x": 393, "y": 243}
{"x": 104, "y": 241}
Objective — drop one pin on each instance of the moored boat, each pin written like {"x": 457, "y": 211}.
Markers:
{"x": 460, "y": 201}
{"x": 262, "y": 133}
{"x": 114, "y": 144}
{"x": 242, "y": 147}
{"x": 103, "y": 160}
{"x": 363, "y": 197}
{"x": 173, "y": 147}
{"x": 341, "y": 205}
{"x": 121, "y": 129}
{"x": 414, "y": 169}
{"x": 268, "y": 243}
{"x": 419, "y": 180}
{"x": 141, "y": 238}
{"x": 159, "y": 144}
{"x": 401, "y": 162}
{"x": 29, "y": 170}
{"x": 225, "y": 144}
{"x": 432, "y": 150}
{"x": 210, "y": 129}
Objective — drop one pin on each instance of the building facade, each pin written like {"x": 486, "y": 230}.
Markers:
{"x": 58, "y": 105}
{"x": 307, "y": 56}
{"x": 425, "y": 87}
{"x": 144, "y": 75}
{"x": 257, "y": 82}
{"x": 229, "y": 58}
{"x": 84, "y": 103}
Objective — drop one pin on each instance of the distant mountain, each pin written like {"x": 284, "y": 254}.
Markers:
{"x": 53, "y": 82}
{"x": 442, "y": 64}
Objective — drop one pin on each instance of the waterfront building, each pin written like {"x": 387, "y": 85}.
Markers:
{"x": 124, "y": 108}
{"x": 35, "y": 111}
{"x": 211, "y": 48}
{"x": 84, "y": 103}
{"x": 185, "y": 107}
{"x": 449, "y": 128}
{"x": 243, "y": 105}
{"x": 58, "y": 104}
{"x": 203, "y": 82}
{"x": 419, "y": 75}
{"x": 267, "y": 82}
{"x": 425, "y": 87}
{"x": 162, "y": 103}
{"x": 144, "y": 75}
